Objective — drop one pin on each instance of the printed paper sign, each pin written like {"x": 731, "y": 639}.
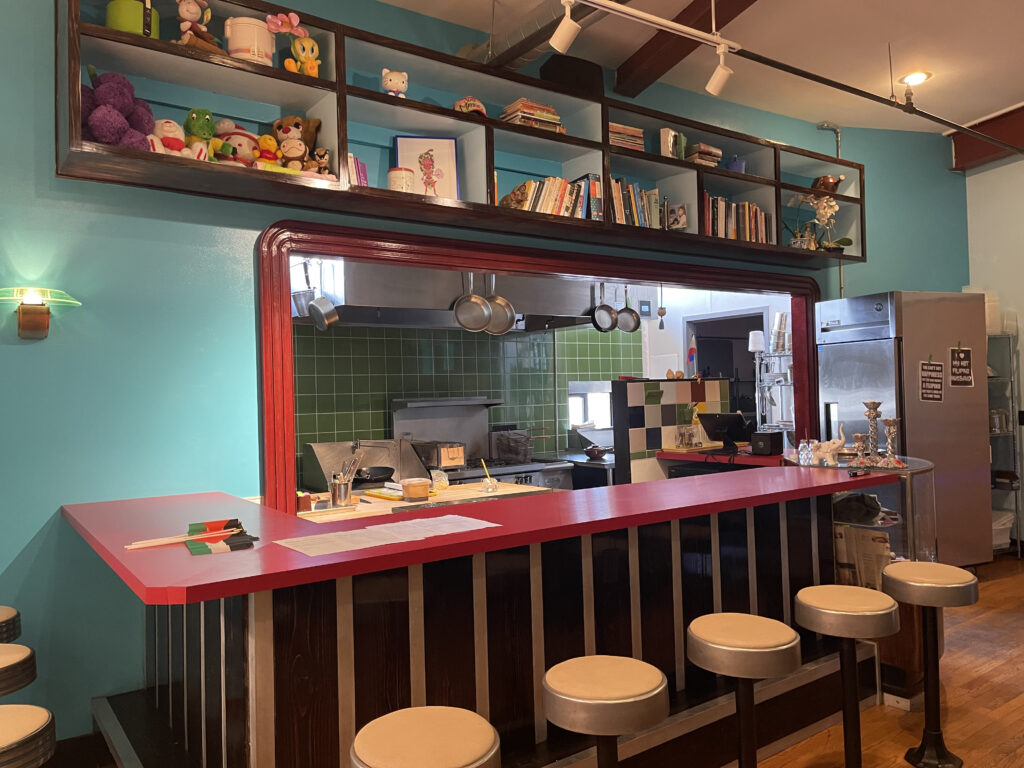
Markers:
{"x": 931, "y": 382}
{"x": 961, "y": 368}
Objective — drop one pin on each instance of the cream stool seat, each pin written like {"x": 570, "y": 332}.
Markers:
{"x": 747, "y": 648}
{"x": 17, "y": 667}
{"x": 605, "y": 696}
{"x": 427, "y": 737}
{"x": 931, "y": 586}
{"x": 849, "y": 613}
{"x": 27, "y": 736}
{"x": 10, "y": 624}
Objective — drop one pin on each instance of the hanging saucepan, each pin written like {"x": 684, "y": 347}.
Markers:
{"x": 503, "y": 314}
{"x": 604, "y": 317}
{"x": 323, "y": 313}
{"x": 472, "y": 312}
{"x": 628, "y": 320}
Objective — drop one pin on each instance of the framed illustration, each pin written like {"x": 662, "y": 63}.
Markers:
{"x": 433, "y": 162}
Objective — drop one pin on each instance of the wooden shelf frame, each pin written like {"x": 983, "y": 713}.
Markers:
{"x": 80, "y": 159}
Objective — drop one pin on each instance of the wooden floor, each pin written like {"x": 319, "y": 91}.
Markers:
{"x": 982, "y": 689}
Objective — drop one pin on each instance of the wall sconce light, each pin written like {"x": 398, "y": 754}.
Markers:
{"x": 34, "y": 308}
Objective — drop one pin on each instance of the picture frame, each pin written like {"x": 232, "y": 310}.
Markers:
{"x": 676, "y": 216}
{"x": 434, "y": 163}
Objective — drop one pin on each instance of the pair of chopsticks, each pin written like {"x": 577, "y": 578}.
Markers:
{"x": 147, "y": 543}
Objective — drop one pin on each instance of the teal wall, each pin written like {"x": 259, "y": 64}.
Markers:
{"x": 150, "y": 387}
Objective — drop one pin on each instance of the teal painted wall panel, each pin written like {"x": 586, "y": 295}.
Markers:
{"x": 151, "y": 387}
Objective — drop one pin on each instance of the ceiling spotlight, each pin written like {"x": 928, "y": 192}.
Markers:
{"x": 915, "y": 78}
{"x": 721, "y": 74}
{"x": 567, "y": 30}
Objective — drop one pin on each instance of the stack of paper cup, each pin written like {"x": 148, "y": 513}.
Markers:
{"x": 779, "y": 333}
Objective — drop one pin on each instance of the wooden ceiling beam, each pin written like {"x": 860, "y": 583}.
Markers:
{"x": 663, "y": 51}
{"x": 969, "y": 152}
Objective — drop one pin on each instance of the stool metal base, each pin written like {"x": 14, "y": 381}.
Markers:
{"x": 851, "y": 701}
{"x": 932, "y": 752}
{"x": 607, "y": 751}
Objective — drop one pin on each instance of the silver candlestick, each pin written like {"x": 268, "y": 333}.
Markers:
{"x": 872, "y": 414}
{"x": 890, "y": 461}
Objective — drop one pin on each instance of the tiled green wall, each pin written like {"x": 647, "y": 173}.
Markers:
{"x": 346, "y": 378}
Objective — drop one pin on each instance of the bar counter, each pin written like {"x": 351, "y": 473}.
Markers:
{"x": 270, "y": 657}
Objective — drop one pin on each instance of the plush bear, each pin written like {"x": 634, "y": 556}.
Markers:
{"x": 112, "y": 115}
{"x": 245, "y": 144}
{"x": 267, "y": 152}
{"x": 294, "y": 153}
{"x": 168, "y": 138}
{"x": 287, "y": 126}
{"x": 394, "y": 83}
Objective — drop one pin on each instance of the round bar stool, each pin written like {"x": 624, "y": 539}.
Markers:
{"x": 10, "y": 624}
{"x": 427, "y": 737}
{"x": 851, "y": 614}
{"x": 17, "y": 667}
{"x": 27, "y": 737}
{"x": 931, "y": 586}
{"x": 747, "y": 648}
{"x": 605, "y": 696}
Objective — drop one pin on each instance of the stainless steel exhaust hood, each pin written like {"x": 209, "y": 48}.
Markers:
{"x": 369, "y": 294}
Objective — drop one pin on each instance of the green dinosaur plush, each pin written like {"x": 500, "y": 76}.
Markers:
{"x": 199, "y": 125}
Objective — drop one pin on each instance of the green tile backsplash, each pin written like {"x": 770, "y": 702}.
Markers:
{"x": 346, "y": 378}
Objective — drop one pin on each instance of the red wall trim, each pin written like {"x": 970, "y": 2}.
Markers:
{"x": 281, "y": 240}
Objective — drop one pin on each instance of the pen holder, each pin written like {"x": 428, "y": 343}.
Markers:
{"x": 341, "y": 493}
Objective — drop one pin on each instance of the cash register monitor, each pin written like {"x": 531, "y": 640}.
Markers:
{"x": 727, "y": 428}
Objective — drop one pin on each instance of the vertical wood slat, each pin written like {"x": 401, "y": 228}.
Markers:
{"x": 509, "y": 646}
{"x": 698, "y": 587}
{"x": 417, "y": 662}
{"x": 234, "y": 683}
{"x": 716, "y": 563}
{"x": 261, "y": 700}
{"x": 636, "y": 636}
{"x": 768, "y": 570}
{"x": 161, "y": 642}
{"x": 380, "y": 612}
{"x": 787, "y": 589}
{"x": 151, "y": 651}
{"x": 801, "y": 570}
{"x": 193, "y": 680}
{"x": 657, "y": 599}
{"x": 449, "y": 650}
{"x": 732, "y": 560}
{"x": 540, "y": 723}
{"x": 751, "y": 562}
{"x": 815, "y": 544}
{"x": 612, "y": 614}
{"x": 213, "y": 721}
{"x": 176, "y": 671}
{"x": 346, "y": 667}
{"x": 305, "y": 675}
{"x": 826, "y": 550}
{"x": 679, "y": 646}
{"x": 587, "y": 566}
{"x": 481, "y": 666}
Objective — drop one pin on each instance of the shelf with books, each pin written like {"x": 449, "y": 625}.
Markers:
{"x": 441, "y": 80}
{"x": 373, "y": 126}
{"x": 801, "y": 167}
{"x": 661, "y": 132}
{"x": 739, "y": 209}
{"x": 634, "y": 178}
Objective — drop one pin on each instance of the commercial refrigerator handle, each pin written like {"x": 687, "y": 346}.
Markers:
{"x": 831, "y": 421}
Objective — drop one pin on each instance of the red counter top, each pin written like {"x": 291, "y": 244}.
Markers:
{"x": 743, "y": 459}
{"x": 171, "y": 575}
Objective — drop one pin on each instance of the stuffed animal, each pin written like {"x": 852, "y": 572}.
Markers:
{"x": 244, "y": 145}
{"x": 199, "y": 129}
{"x": 294, "y": 153}
{"x": 112, "y": 115}
{"x": 308, "y": 128}
{"x": 307, "y": 57}
{"x": 193, "y": 16}
{"x": 267, "y": 152}
{"x": 394, "y": 83}
{"x": 168, "y": 138}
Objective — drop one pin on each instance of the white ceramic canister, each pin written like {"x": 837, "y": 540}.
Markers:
{"x": 249, "y": 39}
{"x": 401, "y": 179}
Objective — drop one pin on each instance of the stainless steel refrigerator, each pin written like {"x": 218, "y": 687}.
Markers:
{"x": 886, "y": 347}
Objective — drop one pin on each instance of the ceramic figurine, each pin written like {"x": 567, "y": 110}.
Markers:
{"x": 470, "y": 104}
{"x": 394, "y": 83}
{"x": 322, "y": 156}
{"x": 827, "y": 453}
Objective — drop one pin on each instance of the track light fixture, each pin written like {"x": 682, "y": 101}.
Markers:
{"x": 721, "y": 74}
{"x": 565, "y": 34}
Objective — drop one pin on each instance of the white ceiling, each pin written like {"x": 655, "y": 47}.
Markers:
{"x": 975, "y": 50}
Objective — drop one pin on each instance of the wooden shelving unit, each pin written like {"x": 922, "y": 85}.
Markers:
{"x": 357, "y": 117}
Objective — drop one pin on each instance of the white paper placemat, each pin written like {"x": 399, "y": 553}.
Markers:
{"x": 386, "y": 533}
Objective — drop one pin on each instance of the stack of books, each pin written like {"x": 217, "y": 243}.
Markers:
{"x": 357, "y": 172}
{"x": 580, "y": 198}
{"x": 533, "y": 114}
{"x": 737, "y": 221}
{"x": 626, "y": 136}
{"x": 637, "y": 207}
{"x": 703, "y": 154}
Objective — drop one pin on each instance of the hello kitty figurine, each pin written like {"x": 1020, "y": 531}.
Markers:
{"x": 394, "y": 83}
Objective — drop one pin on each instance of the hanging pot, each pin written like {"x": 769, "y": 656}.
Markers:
{"x": 628, "y": 320}
{"x": 503, "y": 314}
{"x": 323, "y": 313}
{"x": 472, "y": 312}
{"x": 603, "y": 316}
